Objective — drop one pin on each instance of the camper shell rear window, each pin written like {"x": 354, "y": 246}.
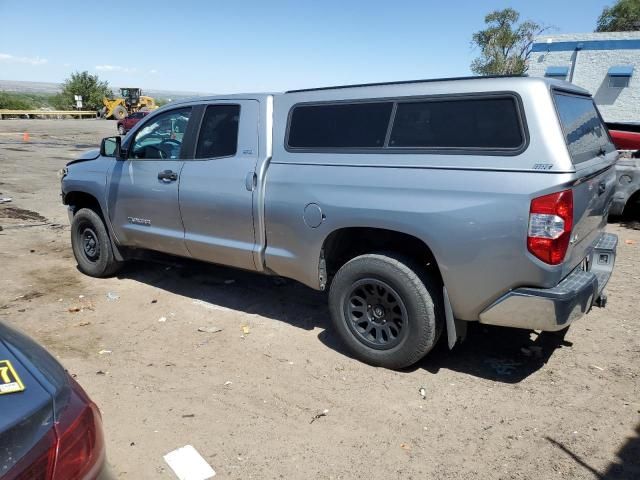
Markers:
{"x": 487, "y": 124}
{"x": 584, "y": 131}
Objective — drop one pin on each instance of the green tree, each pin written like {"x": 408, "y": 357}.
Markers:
{"x": 623, "y": 16}
{"x": 92, "y": 89}
{"x": 61, "y": 102}
{"x": 504, "y": 44}
{"x": 12, "y": 101}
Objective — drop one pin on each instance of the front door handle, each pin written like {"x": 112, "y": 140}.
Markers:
{"x": 168, "y": 176}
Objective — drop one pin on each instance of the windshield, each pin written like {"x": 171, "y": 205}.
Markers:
{"x": 584, "y": 131}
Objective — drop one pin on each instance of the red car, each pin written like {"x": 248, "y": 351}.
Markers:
{"x": 626, "y": 136}
{"x": 129, "y": 121}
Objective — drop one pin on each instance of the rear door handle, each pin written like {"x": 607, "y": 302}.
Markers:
{"x": 168, "y": 176}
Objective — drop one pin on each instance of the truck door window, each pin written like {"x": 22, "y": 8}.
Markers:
{"x": 161, "y": 137}
{"x": 219, "y": 132}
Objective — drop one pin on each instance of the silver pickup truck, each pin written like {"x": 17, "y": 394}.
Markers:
{"x": 419, "y": 205}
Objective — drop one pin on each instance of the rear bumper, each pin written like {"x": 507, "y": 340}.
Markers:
{"x": 552, "y": 309}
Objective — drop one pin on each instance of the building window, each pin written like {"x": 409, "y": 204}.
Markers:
{"x": 618, "y": 82}
{"x": 619, "y": 76}
{"x": 558, "y": 73}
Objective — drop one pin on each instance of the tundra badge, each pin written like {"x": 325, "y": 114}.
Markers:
{"x": 139, "y": 221}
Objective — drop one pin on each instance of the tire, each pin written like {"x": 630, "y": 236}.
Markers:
{"x": 119, "y": 112}
{"x": 360, "y": 301}
{"x": 91, "y": 245}
{"x": 121, "y": 130}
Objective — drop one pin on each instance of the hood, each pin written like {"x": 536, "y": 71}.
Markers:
{"x": 86, "y": 156}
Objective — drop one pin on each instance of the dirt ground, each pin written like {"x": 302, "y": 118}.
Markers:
{"x": 245, "y": 401}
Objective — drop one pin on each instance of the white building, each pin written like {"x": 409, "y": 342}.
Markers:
{"x": 607, "y": 64}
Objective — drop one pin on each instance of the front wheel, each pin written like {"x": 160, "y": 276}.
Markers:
{"x": 119, "y": 112}
{"x": 385, "y": 309}
{"x": 91, "y": 245}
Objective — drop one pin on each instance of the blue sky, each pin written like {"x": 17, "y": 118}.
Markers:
{"x": 244, "y": 45}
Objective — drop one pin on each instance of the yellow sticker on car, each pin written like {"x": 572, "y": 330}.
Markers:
{"x": 9, "y": 380}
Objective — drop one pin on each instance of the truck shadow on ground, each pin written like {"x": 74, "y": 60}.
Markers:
{"x": 625, "y": 467}
{"x": 629, "y": 220}
{"x": 270, "y": 297}
{"x": 499, "y": 354}
{"x": 630, "y": 223}
{"x": 507, "y": 355}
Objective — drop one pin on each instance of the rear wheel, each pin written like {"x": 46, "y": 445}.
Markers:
{"x": 91, "y": 245}
{"x": 385, "y": 309}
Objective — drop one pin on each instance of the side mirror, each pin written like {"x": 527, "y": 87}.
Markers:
{"x": 111, "y": 147}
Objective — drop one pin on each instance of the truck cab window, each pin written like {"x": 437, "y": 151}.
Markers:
{"x": 161, "y": 137}
{"x": 219, "y": 132}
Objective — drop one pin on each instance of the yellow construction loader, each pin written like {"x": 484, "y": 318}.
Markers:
{"x": 131, "y": 101}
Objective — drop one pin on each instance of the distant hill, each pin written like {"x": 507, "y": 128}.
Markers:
{"x": 29, "y": 87}
{"x": 53, "y": 88}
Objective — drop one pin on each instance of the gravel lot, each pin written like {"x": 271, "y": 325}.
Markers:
{"x": 245, "y": 401}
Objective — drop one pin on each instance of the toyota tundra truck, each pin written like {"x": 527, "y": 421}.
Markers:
{"x": 418, "y": 205}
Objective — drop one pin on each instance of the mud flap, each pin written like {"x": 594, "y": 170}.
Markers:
{"x": 455, "y": 329}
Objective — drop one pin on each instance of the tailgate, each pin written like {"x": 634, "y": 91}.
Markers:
{"x": 594, "y": 156}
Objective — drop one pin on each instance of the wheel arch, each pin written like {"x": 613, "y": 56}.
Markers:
{"x": 77, "y": 199}
{"x": 343, "y": 244}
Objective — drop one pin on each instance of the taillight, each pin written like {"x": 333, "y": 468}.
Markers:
{"x": 72, "y": 450}
{"x": 38, "y": 463}
{"x": 80, "y": 440}
{"x": 550, "y": 224}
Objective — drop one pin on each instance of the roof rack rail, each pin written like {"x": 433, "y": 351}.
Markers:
{"x": 403, "y": 82}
